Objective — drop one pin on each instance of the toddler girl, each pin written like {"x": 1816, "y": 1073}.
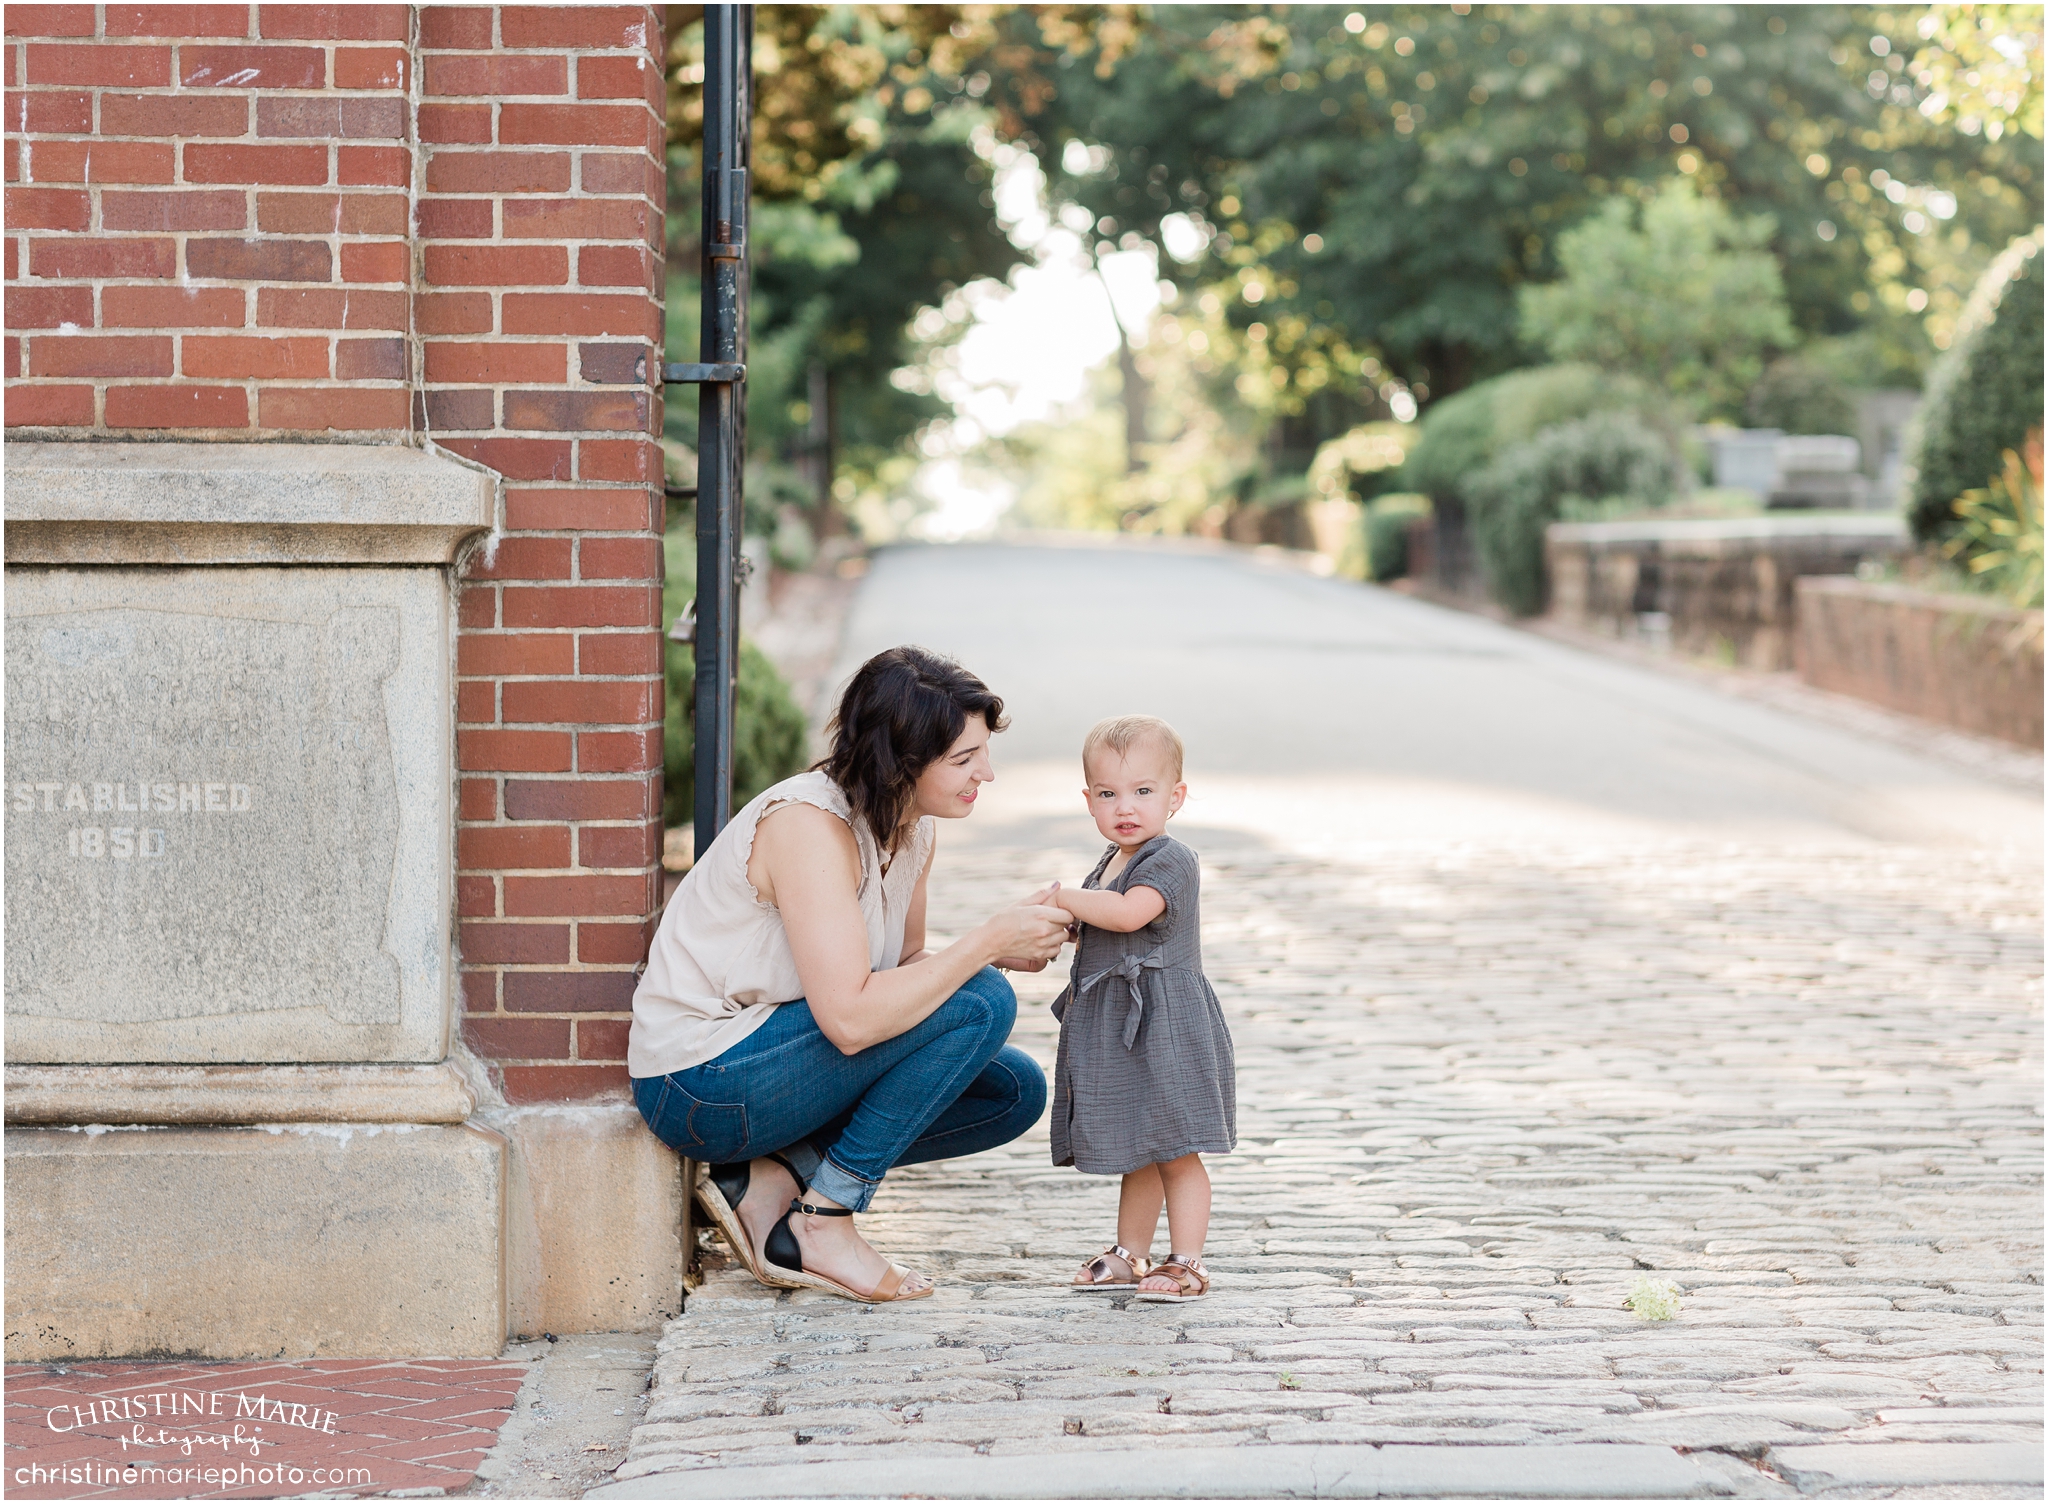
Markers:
{"x": 1146, "y": 1082}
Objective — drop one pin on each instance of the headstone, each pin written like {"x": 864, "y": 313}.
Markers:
{"x": 1745, "y": 459}
{"x": 1818, "y": 471}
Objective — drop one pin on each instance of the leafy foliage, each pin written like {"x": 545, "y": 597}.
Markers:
{"x": 1982, "y": 67}
{"x": 1687, "y": 300}
{"x": 1984, "y": 395}
{"x": 1801, "y": 396}
{"x": 1386, "y": 523}
{"x": 1462, "y": 434}
{"x": 1999, "y": 536}
{"x": 1526, "y": 488}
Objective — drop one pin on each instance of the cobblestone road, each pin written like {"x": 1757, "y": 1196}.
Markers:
{"x": 1486, "y": 1087}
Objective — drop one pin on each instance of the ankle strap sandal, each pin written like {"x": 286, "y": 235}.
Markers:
{"x": 1100, "y": 1274}
{"x": 784, "y": 1256}
{"x": 1190, "y": 1278}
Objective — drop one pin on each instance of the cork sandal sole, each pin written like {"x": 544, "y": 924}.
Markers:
{"x": 785, "y": 1257}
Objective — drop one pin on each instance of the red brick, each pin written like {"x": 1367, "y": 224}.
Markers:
{"x": 75, "y": 256}
{"x": 477, "y": 606}
{"x": 619, "y": 78}
{"x": 331, "y": 213}
{"x": 458, "y": 26}
{"x": 298, "y": 165}
{"x": 581, "y": 799}
{"x": 457, "y": 411}
{"x": 47, "y": 406}
{"x": 613, "y": 944}
{"x": 517, "y": 1038}
{"x": 244, "y": 356}
{"x": 325, "y": 308}
{"x": 576, "y": 26}
{"x": 326, "y": 117}
{"x": 335, "y": 409}
{"x": 618, "y": 846}
{"x": 48, "y": 307}
{"x": 576, "y": 411}
{"x": 177, "y": 407}
{"x": 454, "y": 124}
{"x": 514, "y": 751}
{"x": 619, "y": 652}
{"x": 477, "y": 799}
{"x": 369, "y": 67}
{"x": 178, "y": 209}
{"x": 513, "y": 654}
{"x": 12, "y": 243}
{"x": 477, "y": 897}
{"x": 67, "y": 209}
{"x": 12, "y": 150}
{"x": 519, "y": 558}
{"x": 335, "y": 23}
{"x": 602, "y": 702}
{"x": 498, "y": 172}
{"x": 581, "y": 606}
{"x": 373, "y": 166}
{"x": 602, "y": 1038}
{"x": 619, "y": 365}
{"x": 370, "y": 359}
{"x": 252, "y": 67}
{"x": 631, "y": 460}
{"x": 453, "y": 313}
{"x": 614, "y": 266}
{"x": 100, "y": 65}
{"x": 476, "y": 704}
{"x": 376, "y": 261}
{"x": 580, "y": 313}
{"x": 102, "y": 162}
{"x": 620, "y": 559}
{"x": 107, "y": 355}
{"x": 577, "y": 219}
{"x": 495, "y": 77}
{"x": 50, "y": 112}
{"x": 456, "y": 219}
{"x": 606, "y": 896}
{"x": 618, "y": 751}
{"x": 569, "y": 991}
{"x": 258, "y": 260}
{"x": 575, "y": 125}
{"x": 524, "y": 1084}
{"x": 172, "y": 115}
{"x": 49, "y": 20}
{"x": 499, "y": 848}
{"x": 614, "y": 510}
{"x": 177, "y": 20}
{"x": 173, "y": 308}
{"x": 496, "y": 265}
{"x": 629, "y": 172}
{"x": 519, "y": 459}
{"x": 515, "y": 944}
{"x": 494, "y": 364}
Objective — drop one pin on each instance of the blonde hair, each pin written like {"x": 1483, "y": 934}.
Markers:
{"x": 1120, "y": 733}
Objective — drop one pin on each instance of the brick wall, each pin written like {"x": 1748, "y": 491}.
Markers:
{"x": 401, "y": 224}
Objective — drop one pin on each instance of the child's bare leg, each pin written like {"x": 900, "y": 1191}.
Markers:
{"x": 1137, "y": 1211}
{"x": 1186, "y": 1182}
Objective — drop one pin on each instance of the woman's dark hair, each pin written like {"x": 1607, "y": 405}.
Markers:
{"x": 903, "y": 708}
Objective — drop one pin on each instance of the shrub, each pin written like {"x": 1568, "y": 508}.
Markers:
{"x": 1522, "y": 492}
{"x": 1998, "y": 536}
{"x": 1983, "y": 395}
{"x": 1385, "y": 528}
{"x": 1462, "y": 434}
{"x": 1800, "y": 397}
{"x": 769, "y": 731}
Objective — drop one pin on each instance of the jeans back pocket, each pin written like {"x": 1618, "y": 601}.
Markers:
{"x": 712, "y": 1131}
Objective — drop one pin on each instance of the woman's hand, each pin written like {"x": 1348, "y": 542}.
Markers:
{"x": 1024, "y": 938}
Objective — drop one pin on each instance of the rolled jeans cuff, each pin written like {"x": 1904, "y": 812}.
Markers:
{"x": 843, "y": 1186}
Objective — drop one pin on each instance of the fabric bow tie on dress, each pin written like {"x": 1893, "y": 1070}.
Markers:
{"x": 1128, "y": 969}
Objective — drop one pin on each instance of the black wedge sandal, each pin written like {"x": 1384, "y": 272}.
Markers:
{"x": 720, "y": 1190}
{"x": 783, "y": 1254}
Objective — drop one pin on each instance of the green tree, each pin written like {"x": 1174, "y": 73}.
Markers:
{"x": 1677, "y": 291}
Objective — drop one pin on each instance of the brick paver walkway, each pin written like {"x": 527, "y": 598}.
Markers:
{"x": 346, "y": 1427}
{"x": 1483, "y": 1091}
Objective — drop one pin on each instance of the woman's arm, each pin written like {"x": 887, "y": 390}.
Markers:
{"x": 806, "y": 864}
{"x": 1120, "y": 912}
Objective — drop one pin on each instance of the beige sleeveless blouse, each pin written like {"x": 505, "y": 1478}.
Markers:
{"x": 721, "y": 963}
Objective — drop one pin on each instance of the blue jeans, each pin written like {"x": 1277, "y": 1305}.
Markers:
{"x": 949, "y": 1086}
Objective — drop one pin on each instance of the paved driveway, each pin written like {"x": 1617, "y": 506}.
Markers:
{"x": 1548, "y": 975}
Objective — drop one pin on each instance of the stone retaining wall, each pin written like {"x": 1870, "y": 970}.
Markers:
{"x": 1962, "y": 660}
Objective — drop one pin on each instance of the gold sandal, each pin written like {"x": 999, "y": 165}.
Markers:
{"x": 783, "y": 1255}
{"x": 1190, "y": 1279}
{"x": 1095, "y": 1274}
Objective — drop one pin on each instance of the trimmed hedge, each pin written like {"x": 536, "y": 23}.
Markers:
{"x": 1983, "y": 395}
{"x": 1511, "y": 501}
{"x": 1462, "y": 434}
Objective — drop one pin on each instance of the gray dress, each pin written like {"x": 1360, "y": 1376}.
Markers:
{"x": 1146, "y": 1072}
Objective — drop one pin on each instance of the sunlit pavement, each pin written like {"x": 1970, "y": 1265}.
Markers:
{"x": 1548, "y": 975}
